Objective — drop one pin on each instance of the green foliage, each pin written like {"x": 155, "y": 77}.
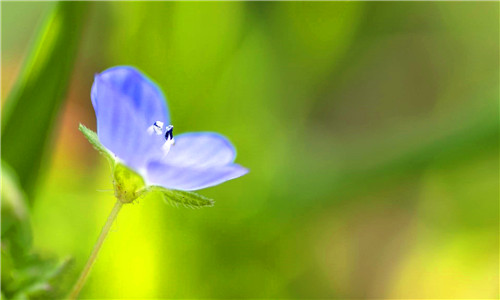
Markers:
{"x": 25, "y": 274}
{"x": 16, "y": 227}
{"x": 186, "y": 199}
{"x": 37, "y": 97}
{"x": 28, "y": 119}
{"x": 34, "y": 277}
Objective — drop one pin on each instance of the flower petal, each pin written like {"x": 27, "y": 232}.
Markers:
{"x": 191, "y": 178}
{"x": 120, "y": 128}
{"x": 201, "y": 150}
{"x": 142, "y": 95}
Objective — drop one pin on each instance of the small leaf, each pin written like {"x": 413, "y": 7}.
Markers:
{"x": 94, "y": 140}
{"x": 186, "y": 199}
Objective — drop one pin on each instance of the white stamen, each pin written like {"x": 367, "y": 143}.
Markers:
{"x": 157, "y": 128}
{"x": 169, "y": 137}
{"x": 159, "y": 124}
{"x": 166, "y": 146}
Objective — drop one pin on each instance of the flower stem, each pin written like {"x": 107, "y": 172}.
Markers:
{"x": 85, "y": 273}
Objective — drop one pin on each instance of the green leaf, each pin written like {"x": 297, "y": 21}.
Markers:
{"x": 94, "y": 140}
{"x": 186, "y": 199}
{"x": 39, "y": 278}
{"x": 25, "y": 274}
{"x": 33, "y": 106}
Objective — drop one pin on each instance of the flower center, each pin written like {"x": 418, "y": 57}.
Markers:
{"x": 157, "y": 128}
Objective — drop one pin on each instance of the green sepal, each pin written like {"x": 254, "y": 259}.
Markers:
{"x": 94, "y": 140}
{"x": 186, "y": 199}
{"x": 128, "y": 184}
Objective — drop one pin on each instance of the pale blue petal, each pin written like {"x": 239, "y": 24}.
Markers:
{"x": 120, "y": 128}
{"x": 200, "y": 149}
{"x": 191, "y": 178}
{"x": 131, "y": 86}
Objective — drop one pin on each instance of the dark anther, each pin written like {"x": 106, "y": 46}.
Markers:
{"x": 169, "y": 132}
{"x": 158, "y": 124}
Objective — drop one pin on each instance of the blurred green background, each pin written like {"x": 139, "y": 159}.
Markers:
{"x": 371, "y": 131}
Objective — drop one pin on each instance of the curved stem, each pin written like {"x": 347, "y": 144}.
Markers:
{"x": 85, "y": 273}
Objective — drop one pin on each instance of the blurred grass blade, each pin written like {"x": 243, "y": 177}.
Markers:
{"x": 33, "y": 105}
{"x": 186, "y": 199}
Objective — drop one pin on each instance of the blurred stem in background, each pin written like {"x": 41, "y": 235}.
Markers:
{"x": 33, "y": 106}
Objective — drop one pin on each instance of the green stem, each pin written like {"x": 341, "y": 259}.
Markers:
{"x": 85, "y": 273}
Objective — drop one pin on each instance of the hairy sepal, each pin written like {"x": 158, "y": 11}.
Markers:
{"x": 182, "y": 198}
{"x": 94, "y": 140}
{"x": 128, "y": 184}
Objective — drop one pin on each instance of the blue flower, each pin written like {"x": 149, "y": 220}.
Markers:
{"x": 133, "y": 123}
